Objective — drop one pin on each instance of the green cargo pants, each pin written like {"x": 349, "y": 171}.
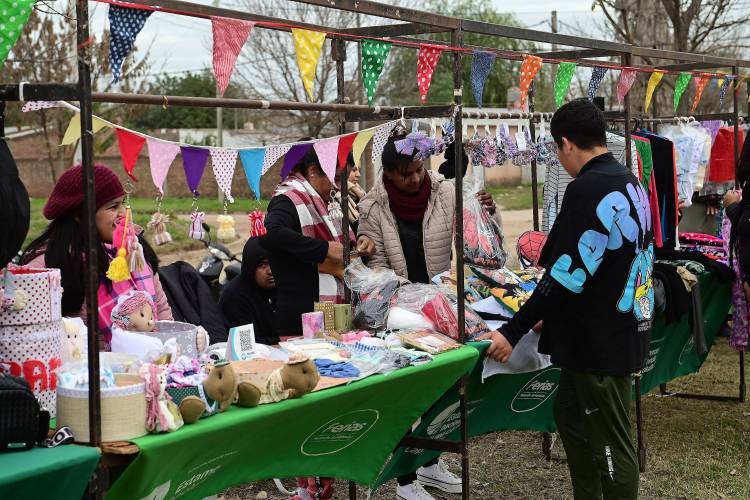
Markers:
{"x": 593, "y": 419}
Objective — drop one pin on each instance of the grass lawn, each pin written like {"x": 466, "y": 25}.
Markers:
{"x": 143, "y": 208}
{"x": 514, "y": 197}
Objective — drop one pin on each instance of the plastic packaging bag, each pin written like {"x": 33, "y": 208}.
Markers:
{"x": 483, "y": 236}
{"x": 372, "y": 290}
{"x": 440, "y": 306}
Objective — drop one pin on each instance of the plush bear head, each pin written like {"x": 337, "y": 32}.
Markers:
{"x": 221, "y": 384}
{"x": 72, "y": 341}
{"x": 134, "y": 312}
{"x": 300, "y": 376}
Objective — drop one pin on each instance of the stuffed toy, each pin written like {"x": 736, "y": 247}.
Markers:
{"x": 162, "y": 414}
{"x": 134, "y": 312}
{"x": 294, "y": 379}
{"x": 226, "y": 231}
{"x": 72, "y": 341}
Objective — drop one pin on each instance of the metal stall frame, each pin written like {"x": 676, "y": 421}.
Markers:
{"x": 412, "y": 22}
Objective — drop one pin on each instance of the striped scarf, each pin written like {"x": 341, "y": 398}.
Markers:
{"x": 316, "y": 223}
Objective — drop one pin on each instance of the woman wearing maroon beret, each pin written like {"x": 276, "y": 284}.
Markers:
{"x": 61, "y": 246}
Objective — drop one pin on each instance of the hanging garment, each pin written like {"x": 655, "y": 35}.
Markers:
{"x": 557, "y": 179}
{"x": 645, "y": 158}
{"x": 720, "y": 176}
{"x": 662, "y": 150}
{"x": 689, "y": 143}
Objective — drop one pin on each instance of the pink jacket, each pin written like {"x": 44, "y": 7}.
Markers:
{"x": 146, "y": 281}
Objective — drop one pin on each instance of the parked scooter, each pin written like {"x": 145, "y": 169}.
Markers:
{"x": 213, "y": 264}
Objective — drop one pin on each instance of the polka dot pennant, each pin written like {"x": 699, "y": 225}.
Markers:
{"x": 481, "y": 67}
{"x": 529, "y": 68}
{"x": 723, "y": 90}
{"x": 653, "y": 82}
{"x": 223, "y": 162}
{"x": 700, "y": 85}
{"x": 39, "y": 105}
{"x": 13, "y": 17}
{"x": 426, "y": 64}
{"x": 565, "y": 72}
{"x": 273, "y": 153}
{"x": 679, "y": 88}
{"x": 380, "y": 138}
{"x": 161, "y": 155}
{"x": 596, "y": 79}
{"x": 374, "y": 55}
{"x": 308, "y": 45}
{"x": 124, "y": 25}
{"x": 624, "y": 84}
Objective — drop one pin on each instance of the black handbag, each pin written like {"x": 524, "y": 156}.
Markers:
{"x": 22, "y": 423}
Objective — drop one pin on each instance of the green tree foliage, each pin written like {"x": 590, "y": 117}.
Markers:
{"x": 399, "y": 83}
{"x": 200, "y": 84}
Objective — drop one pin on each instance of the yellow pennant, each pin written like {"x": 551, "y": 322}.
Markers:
{"x": 653, "y": 81}
{"x": 73, "y": 132}
{"x": 307, "y": 45}
{"x": 360, "y": 143}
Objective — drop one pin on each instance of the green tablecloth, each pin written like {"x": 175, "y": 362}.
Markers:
{"x": 346, "y": 432}
{"x": 524, "y": 401}
{"x": 49, "y": 473}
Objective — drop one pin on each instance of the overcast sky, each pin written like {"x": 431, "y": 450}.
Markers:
{"x": 180, "y": 43}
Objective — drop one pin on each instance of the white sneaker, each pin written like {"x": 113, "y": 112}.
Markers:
{"x": 437, "y": 476}
{"x": 413, "y": 491}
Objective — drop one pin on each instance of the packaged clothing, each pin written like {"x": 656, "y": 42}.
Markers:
{"x": 483, "y": 237}
{"x": 372, "y": 290}
{"x": 596, "y": 298}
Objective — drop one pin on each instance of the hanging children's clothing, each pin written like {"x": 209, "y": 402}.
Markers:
{"x": 721, "y": 166}
{"x": 557, "y": 179}
{"x": 690, "y": 155}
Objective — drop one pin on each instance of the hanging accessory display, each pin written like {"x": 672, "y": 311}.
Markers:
{"x": 257, "y": 223}
{"x": 196, "y": 222}
{"x": 158, "y": 225}
{"x": 226, "y": 230}
{"x": 118, "y": 268}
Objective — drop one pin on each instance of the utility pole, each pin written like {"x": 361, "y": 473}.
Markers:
{"x": 553, "y": 25}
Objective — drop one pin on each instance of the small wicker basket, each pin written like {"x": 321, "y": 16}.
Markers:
{"x": 123, "y": 410}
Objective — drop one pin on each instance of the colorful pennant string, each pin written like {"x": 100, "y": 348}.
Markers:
{"x": 565, "y": 72}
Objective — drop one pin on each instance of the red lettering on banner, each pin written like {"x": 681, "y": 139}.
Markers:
{"x": 35, "y": 371}
{"x": 54, "y": 364}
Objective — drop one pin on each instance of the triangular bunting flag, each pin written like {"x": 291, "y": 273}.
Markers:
{"x": 345, "y": 147}
{"x": 73, "y": 132}
{"x": 294, "y": 156}
{"x": 194, "y": 163}
{"x": 273, "y": 153}
{"x": 223, "y": 162}
{"x": 565, "y": 72}
{"x": 124, "y": 25}
{"x": 360, "y": 143}
{"x": 252, "y": 162}
{"x": 653, "y": 82}
{"x": 723, "y": 90}
{"x": 679, "y": 88}
{"x": 700, "y": 85}
{"x": 39, "y": 105}
{"x": 14, "y": 17}
{"x": 374, "y": 54}
{"x": 130, "y": 147}
{"x": 327, "y": 151}
{"x": 596, "y": 79}
{"x": 627, "y": 78}
{"x": 481, "y": 67}
{"x": 427, "y": 61}
{"x": 230, "y": 36}
{"x": 529, "y": 68}
{"x": 307, "y": 45}
{"x": 161, "y": 155}
{"x": 380, "y": 138}
{"x": 738, "y": 84}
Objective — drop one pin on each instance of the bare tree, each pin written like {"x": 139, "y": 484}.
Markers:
{"x": 716, "y": 27}
{"x": 46, "y": 52}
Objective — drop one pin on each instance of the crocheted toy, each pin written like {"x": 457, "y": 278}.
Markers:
{"x": 226, "y": 230}
{"x": 158, "y": 225}
{"x": 297, "y": 377}
{"x": 134, "y": 312}
{"x": 162, "y": 414}
{"x": 196, "y": 226}
{"x": 213, "y": 396}
{"x": 121, "y": 267}
{"x": 71, "y": 342}
{"x": 257, "y": 226}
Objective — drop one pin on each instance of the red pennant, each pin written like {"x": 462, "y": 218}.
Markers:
{"x": 130, "y": 147}
{"x": 345, "y": 147}
{"x": 426, "y": 63}
{"x": 230, "y": 36}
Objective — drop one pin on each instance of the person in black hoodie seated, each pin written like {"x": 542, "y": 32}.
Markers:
{"x": 596, "y": 303}
{"x": 251, "y": 297}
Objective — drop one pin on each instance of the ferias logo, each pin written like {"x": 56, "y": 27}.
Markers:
{"x": 538, "y": 390}
{"x": 687, "y": 350}
{"x": 339, "y": 433}
{"x": 449, "y": 419}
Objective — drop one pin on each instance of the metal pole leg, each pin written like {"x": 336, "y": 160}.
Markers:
{"x": 547, "y": 446}
{"x": 352, "y": 490}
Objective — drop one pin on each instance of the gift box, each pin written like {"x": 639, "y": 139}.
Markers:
{"x": 43, "y": 291}
{"x": 33, "y": 352}
{"x": 329, "y": 315}
{"x": 342, "y": 317}
{"x": 185, "y": 333}
{"x": 312, "y": 323}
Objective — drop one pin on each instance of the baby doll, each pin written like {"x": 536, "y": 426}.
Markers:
{"x": 134, "y": 312}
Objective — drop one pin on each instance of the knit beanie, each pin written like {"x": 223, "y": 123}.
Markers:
{"x": 67, "y": 195}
